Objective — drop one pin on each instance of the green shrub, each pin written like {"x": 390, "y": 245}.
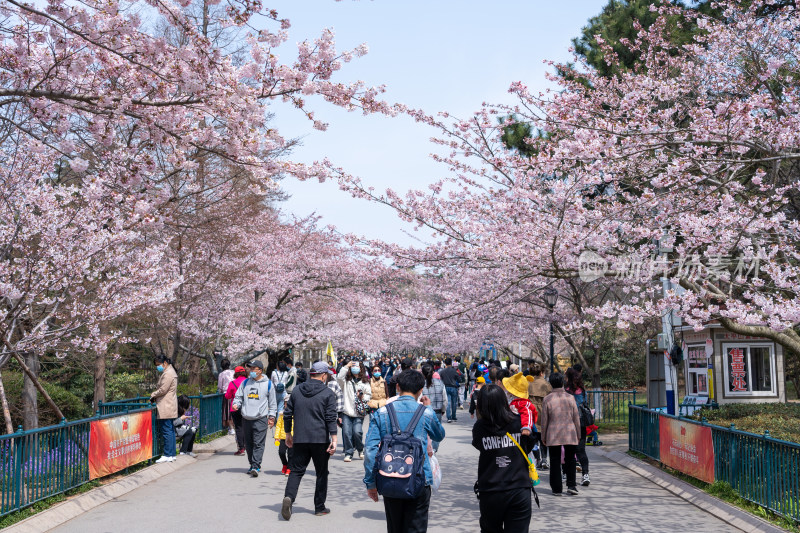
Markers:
{"x": 72, "y": 405}
{"x": 124, "y": 385}
{"x": 782, "y": 420}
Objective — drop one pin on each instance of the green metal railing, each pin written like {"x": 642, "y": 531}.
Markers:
{"x": 44, "y": 462}
{"x": 610, "y": 406}
{"x": 643, "y": 431}
{"x": 205, "y": 410}
{"x": 760, "y": 469}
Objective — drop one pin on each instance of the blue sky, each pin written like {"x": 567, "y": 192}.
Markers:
{"x": 439, "y": 55}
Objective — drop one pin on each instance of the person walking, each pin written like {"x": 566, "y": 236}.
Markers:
{"x": 451, "y": 379}
{"x": 256, "y": 399}
{"x": 473, "y": 398}
{"x": 166, "y": 399}
{"x": 433, "y": 390}
{"x": 561, "y": 428}
{"x": 504, "y": 484}
{"x": 380, "y": 391}
{"x": 223, "y": 380}
{"x": 357, "y": 393}
{"x": 463, "y": 383}
{"x": 239, "y": 375}
{"x": 575, "y": 387}
{"x": 403, "y": 515}
{"x": 337, "y": 390}
{"x": 310, "y": 423}
{"x": 537, "y": 390}
{"x": 405, "y": 364}
{"x": 282, "y": 379}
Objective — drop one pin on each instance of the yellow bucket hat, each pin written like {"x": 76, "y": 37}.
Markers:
{"x": 518, "y": 385}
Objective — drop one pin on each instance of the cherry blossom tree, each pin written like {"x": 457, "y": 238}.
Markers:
{"x": 99, "y": 115}
{"x": 684, "y": 168}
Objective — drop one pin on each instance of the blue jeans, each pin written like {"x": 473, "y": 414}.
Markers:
{"x": 168, "y": 436}
{"x": 434, "y": 442}
{"x": 452, "y": 402}
{"x": 352, "y": 434}
{"x": 279, "y": 396}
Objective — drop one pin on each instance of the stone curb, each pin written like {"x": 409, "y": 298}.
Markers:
{"x": 75, "y": 506}
{"x": 724, "y": 511}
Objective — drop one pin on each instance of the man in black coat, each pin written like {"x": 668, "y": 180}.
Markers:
{"x": 312, "y": 406}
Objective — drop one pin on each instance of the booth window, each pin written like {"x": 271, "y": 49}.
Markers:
{"x": 749, "y": 369}
{"x": 697, "y": 371}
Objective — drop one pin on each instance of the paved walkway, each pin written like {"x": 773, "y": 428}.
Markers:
{"x": 214, "y": 494}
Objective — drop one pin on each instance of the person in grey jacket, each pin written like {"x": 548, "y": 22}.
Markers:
{"x": 256, "y": 399}
{"x": 311, "y": 413}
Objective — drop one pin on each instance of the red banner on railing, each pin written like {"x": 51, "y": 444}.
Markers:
{"x": 687, "y": 447}
{"x": 119, "y": 442}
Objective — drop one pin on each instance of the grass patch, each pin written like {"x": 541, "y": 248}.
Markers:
{"x": 726, "y": 493}
{"x": 45, "y": 504}
{"x": 212, "y": 436}
{"x": 611, "y": 427}
{"x": 782, "y": 420}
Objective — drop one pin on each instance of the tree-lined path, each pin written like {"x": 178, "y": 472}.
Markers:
{"x": 213, "y": 494}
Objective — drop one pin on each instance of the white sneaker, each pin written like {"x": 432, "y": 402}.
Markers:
{"x": 359, "y": 455}
{"x": 231, "y": 432}
{"x": 165, "y": 459}
{"x": 347, "y": 458}
{"x": 585, "y": 480}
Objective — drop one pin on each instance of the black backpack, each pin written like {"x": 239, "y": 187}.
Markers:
{"x": 587, "y": 418}
{"x": 400, "y": 463}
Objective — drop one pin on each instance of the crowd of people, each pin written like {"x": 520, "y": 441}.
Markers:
{"x": 524, "y": 424}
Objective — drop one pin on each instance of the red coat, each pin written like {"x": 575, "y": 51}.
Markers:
{"x": 233, "y": 386}
{"x": 527, "y": 412}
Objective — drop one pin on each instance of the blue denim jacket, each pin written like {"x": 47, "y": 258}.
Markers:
{"x": 379, "y": 425}
{"x": 580, "y": 398}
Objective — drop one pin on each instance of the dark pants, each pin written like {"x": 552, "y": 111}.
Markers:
{"x": 303, "y": 454}
{"x": 187, "y": 441}
{"x": 541, "y": 453}
{"x": 507, "y": 511}
{"x": 408, "y": 516}
{"x": 285, "y": 453}
{"x": 452, "y": 402}
{"x": 238, "y": 428}
{"x": 167, "y": 436}
{"x": 555, "y": 466}
{"x": 255, "y": 437}
{"x": 583, "y": 459}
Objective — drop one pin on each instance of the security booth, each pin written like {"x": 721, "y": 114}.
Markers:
{"x": 725, "y": 367}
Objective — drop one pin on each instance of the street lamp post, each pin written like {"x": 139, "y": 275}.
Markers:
{"x": 550, "y": 299}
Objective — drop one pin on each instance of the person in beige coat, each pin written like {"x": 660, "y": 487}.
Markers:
{"x": 166, "y": 399}
{"x": 379, "y": 389}
{"x": 560, "y": 426}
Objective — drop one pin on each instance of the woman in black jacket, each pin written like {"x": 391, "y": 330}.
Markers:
{"x": 504, "y": 485}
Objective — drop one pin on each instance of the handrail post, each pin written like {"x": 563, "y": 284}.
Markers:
{"x": 18, "y": 459}
{"x": 63, "y": 453}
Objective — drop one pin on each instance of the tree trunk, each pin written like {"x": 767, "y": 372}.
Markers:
{"x": 6, "y": 410}
{"x": 596, "y": 370}
{"x": 176, "y": 350}
{"x": 30, "y": 403}
{"x": 35, "y": 380}
{"x": 99, "y": 380}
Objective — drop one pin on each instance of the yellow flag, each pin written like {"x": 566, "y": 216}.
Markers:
{"x": 330, "y": 353}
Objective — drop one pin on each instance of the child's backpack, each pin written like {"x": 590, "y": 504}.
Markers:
{"x": 400, "y": 463}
